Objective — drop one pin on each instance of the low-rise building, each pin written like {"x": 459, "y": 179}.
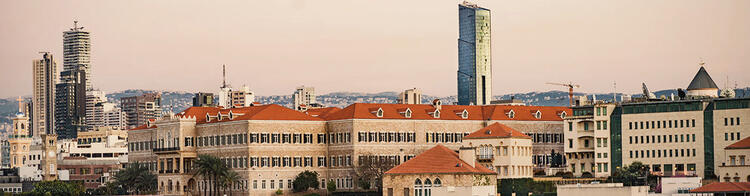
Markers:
{"x": 609, "y": 189}
{"x": 503, "y": 150}
{"x": 723, "y": 189}
{"x": 677, "y": 186}
{"x": 736, "y": 162}
{"x": 441, "y": 171}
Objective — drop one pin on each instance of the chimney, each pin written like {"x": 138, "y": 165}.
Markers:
{"x": 468, "y": 155}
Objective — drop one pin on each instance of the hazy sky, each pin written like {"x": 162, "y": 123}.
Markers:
{"x": 372, "y": 46}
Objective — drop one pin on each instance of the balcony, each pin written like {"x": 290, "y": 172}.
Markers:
{"x": 166, "y": 150}
{"x": 485, "y": 157}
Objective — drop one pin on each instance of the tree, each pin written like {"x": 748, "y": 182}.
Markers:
{"x": 634, "y": 174}
{"x": 587, "y": 175}
{"x": 211, "y": 169}
{"x": 331, "y": 186}
{"x": 136, "y": 179}
{"x": 371, "y": 170}
{"x": 228, "y": 178}
{"x": 305, "y": 180}
{"x": 58, "y": 188}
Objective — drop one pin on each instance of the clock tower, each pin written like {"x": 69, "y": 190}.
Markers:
{"x": 19, "y": 140}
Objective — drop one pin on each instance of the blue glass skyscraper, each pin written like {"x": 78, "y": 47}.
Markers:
{"x": 474, "y": 55}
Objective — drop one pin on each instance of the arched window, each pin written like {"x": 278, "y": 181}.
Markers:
{"x": 417, "y": 187}
{"x": 437, "y": 183}
{"x": 427, "y": 188}
{"x": 22, "y": 127}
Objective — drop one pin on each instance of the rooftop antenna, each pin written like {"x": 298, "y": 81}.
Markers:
{"x": 614, "y": 94}
{"x": 75, "y": 26}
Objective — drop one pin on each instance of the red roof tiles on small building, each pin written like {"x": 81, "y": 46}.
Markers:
{"x": 723, "y": 187}
{"x": 742, "y": 144}
{"x": 496, "y": 130}
{"x": 438, "y": 159}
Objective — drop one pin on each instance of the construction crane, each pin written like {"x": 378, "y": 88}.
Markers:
{"x": 570, "y": 86}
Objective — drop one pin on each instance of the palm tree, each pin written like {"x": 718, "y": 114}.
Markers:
{"x": 136, "y": 178}
{"x": 211, "y": 169}
{"x": 228, "y": 178}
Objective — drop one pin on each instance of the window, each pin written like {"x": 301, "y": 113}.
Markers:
{"x": 417, "y": 187}
{"x": 570, "y": 143}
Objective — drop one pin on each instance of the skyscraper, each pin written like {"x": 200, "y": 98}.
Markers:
{"x": 70, "y": 108}
{"x": 77, "y": 52}
{"x": 43, "y": 100}
{"x": 474, "y": 55}
{"x": 70, "y": 104}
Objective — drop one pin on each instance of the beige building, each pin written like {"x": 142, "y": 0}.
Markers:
{"x": 19, "y": 140}
{"x": 410, "y": 96}
{"x": 587, "y": 138}
{"x": 736, "y": 167}
{"x": 43, "y": 100}
{"x": 441, "y": 171}
{"x": 269, "y": 144}
{"x": 609, "y": 189}
{"x": 503, "y": 150}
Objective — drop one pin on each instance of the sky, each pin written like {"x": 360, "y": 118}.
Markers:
{"x": 384, "y": 45}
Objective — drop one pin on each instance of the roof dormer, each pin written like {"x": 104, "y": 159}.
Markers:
{"x": 231, "y": 115}
{"x": 436, "y": 113}
{"x": 563, "y": 114}
{"x": 378, "y": 112}
{"x": 538, "y": 114}
{"x": 208, "y": 117}
{"x": 218, "y": 116}
{"x": 465, "y": 114}
{"x": 511, "y": 114}
{"x": 437, "y": 103}
{"x": 406, "y": 112}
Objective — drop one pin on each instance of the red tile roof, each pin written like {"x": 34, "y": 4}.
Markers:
{"x": 144, "y": 126}
{"x": 721, "y": 187}
{"x": 448, "y": 112}
{"x": 496, "y": 130}
{"x": 262, "y": 112}
{"x": 438, "y": 159}
{"x": 322, "y": 112}
{"x": 742, "y": 144}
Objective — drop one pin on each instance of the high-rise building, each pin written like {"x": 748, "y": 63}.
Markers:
{"x": 203, "y": 100}
{"x": 304, "y": 96}
{"x": 139, "y": 109}
{"x": 70, "y": 104}
{"x": 410, "y": 96}
{"x": 474, "y": 55}
{"x": 77, "y": 52}
{"x": 43, "y": 100}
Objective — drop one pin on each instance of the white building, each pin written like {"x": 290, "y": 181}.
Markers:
{"x": 303, "y": 96}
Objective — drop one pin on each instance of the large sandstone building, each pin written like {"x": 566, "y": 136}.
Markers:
{"x": 268, "y": 145}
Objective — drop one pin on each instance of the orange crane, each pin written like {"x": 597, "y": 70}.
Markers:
{"x": 570, "y": 86}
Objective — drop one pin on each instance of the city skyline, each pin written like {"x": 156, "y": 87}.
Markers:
{"x": 532, "y": 41}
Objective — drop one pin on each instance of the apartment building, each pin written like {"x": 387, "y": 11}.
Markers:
{"x": 139, "y": 109}
{"x": 268, "y": 145}
{"x": 587, "y": 138}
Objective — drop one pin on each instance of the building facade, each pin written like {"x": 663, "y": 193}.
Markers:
{"x": 268, "y": 145}
{"x": 43, "y": 100}
{"x": 139, "y": 109}
{"x": 502, "y": 150}
{"x": 303, "y": 96}
{"x": 410, "y": 96}
{"x": 474, "y": 55}
{"x": 70, "y": 104}
{"x": 680, "y": 137}
{"x": 440, "y": 171}
{"x": 77, "y": 53}
{"x": 735, "y": 165}
{"x": 19, "y": 140}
